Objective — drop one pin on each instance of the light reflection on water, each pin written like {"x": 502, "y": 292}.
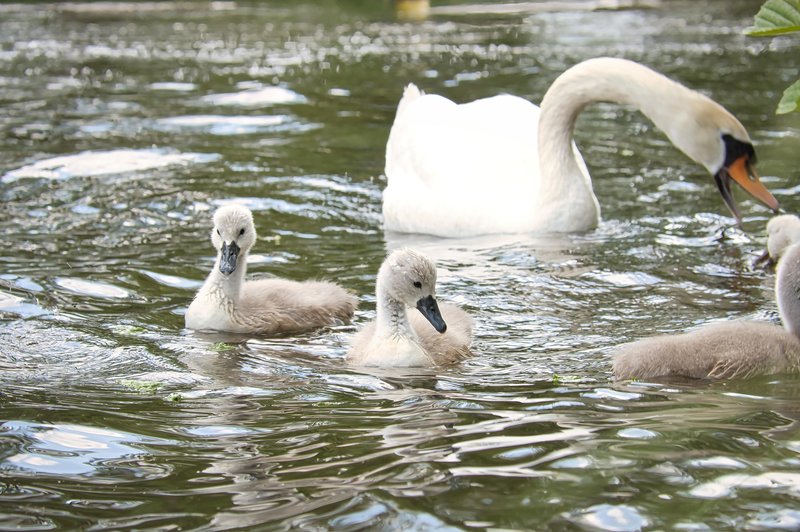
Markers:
{"x": 72, "y": 450}
{"x": 128, "y": 124}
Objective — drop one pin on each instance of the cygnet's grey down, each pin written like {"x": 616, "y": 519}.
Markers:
{"x": 782, "y": 232}
{"x": 736, "y": 349}
{"x": 436, "y": 335}
{"x": 226, "y": 302}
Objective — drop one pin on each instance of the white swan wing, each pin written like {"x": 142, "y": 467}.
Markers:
{"x": 455, "y": 170}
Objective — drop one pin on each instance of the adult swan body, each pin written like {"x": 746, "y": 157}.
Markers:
{"x": 471, "y": 169}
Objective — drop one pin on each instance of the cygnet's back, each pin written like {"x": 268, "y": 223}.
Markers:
{"x": 436, "y": 335}
{"x": 285, "y": 306}
{"x": 725, "y": 350}
{"x": 718, "y": 351}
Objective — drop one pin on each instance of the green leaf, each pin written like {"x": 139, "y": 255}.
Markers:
{"x": 128, "y": 329}
{"x": 776, "y": 17}
{"x": 791, "y": 99}
{"x": 141, "y": 386}
{"x": 221, "y": 347}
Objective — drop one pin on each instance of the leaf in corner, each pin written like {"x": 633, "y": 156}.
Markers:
{"x": 776, "y": 17}
{"x": 790, "y": 100}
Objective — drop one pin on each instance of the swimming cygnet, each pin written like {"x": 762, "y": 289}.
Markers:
{"x": 437, "y": 335}
{"x": 725, "y": 350}
{"x": 782, "y": 232}
{"x": 226, "y": 302}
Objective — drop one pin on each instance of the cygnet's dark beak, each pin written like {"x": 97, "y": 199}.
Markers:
{"x": 227, "y": 257}
{"x": 764, "y": 261}
{"x": 430, "y": 309}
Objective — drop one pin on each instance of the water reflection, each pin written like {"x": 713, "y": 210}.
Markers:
{"x": 72, "y": 450}
{"x": 100, "y": 163}
{"x": 254, "y": 97}
{"x": 226, "y": 125}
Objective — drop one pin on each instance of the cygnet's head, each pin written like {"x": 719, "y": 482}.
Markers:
{"x": 410, "y": 278}
{"x": 782, "y": 232}
{"x": 233, "y": 235}
{"x": 712, "y": 136}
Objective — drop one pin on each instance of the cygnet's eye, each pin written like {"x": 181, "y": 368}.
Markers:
{"x": 220, "y": 234}
{"x": 417, "y": 284}
{"x": 241, "y": 231}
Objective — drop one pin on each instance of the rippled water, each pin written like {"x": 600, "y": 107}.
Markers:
{"x": 125, "y": 125}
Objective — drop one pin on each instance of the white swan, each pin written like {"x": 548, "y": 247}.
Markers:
{"x": 395, "y": 339}
{"x": 226, "y": 302}
{"x": 782, "y": 232}
{"x": 500, "y": 165}
{"x": 725, "y": 350}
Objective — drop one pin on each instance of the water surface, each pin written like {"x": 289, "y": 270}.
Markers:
{"x": 126, "y": 125}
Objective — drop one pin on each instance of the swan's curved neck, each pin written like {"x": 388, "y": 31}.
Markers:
{"x": 787, "y": 289}
{"x": 602, "y": 79}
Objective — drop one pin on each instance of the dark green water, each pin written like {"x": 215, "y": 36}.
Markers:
{"x": 124, "y": 125}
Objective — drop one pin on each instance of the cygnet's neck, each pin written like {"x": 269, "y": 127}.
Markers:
{"x": 392, "y": 315}
{"x": 787, "y": 289}
{"x": 222, "y": 286}
{"x": 563, "y": 184}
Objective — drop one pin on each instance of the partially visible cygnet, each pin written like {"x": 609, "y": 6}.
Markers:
{"x": 782, "y": 232}
{"x": 226, "y": 302}
{"x": 736, "y": 349}
{"x": 437, "y": 335}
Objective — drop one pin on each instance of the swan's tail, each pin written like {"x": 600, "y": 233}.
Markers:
{"x": 398, "y": 154}
{"x": 410, "y": 93}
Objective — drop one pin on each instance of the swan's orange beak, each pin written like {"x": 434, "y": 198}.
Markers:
{"x": 741, "y": 171}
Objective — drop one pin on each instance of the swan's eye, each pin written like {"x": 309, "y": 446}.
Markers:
{"x": 241, "y": 231}
{"x": 220, "y": 234}
{"x": 417, "y": 284}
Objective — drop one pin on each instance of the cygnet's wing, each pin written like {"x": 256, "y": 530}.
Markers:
{"x": 448, "y": 347}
